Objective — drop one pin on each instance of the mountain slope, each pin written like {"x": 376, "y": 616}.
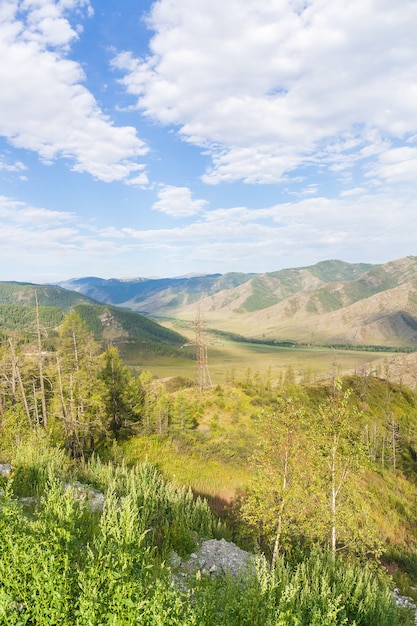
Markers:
{"x": 150, "y": 295}
{"x": 48, "y": 295}
{"x": 109, "y": 324}
{"x": 247, "y": 292}
{"x": 331, "y": 301}
{"x": 385, "y": 318}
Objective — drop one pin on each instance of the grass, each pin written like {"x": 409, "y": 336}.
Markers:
{"x": 233, "y": 358}
{"x": 211, "y": 477}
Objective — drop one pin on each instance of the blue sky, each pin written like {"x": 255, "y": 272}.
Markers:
{"x": 199, "y": 136}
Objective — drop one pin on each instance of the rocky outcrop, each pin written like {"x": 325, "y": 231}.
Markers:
{"x": 213, "y": 558}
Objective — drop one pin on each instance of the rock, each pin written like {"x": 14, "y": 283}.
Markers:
{"x": 175, "y": 560}
{"x": 5, "y": 469}
{"x": 216, "y": 557}
{"x": 405, "y": 601}
{"x": 94, "y": 499}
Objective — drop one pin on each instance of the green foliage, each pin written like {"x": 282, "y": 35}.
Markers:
{"x": 48, "y": 295}
{"x": 318, "y": 591}
{"x": 169, "y": 513}
{"x": 64, "y": 564}
{"x": 61, "y": 563}
{"x": 18, "y": 317}
{"x": 276, "y": 500}
{"x": 123, "y": 396}
{"x": 34, "y": 462}
{"x": 328, "y": 458}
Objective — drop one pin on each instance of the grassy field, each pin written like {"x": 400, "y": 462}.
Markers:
{"x": 232, "y": 359}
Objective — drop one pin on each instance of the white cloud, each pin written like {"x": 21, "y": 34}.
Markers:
{"x": 266, "y": 239}
{"x": 17, "y": 166}
{"x": 177, "y": 202}
{"x": 396, "y": 165}
{"x": 57, "y": 244}
{"x": 42, "y": 244}
{"x": 44, "y": 105}
{"x": 265, "y": 87}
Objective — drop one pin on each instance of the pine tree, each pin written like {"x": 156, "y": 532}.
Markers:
{"x": 123, "y": 397}
{"x": 81, "y": 392}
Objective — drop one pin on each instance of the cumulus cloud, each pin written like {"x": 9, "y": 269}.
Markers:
{"x": 223, "y": 239}
{"x": 316, "y": 228}
{"x": 44, "y": 105}
{"x": 266, "y": 87}
{"x": 397, "y": 165}
{"x": 177, "y": 202}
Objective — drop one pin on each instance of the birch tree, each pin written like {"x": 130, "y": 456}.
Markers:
{"x": 276, "y": 500}
{"x": 341, "y": 454}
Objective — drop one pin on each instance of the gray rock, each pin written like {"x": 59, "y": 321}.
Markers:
{"x": 405, "y": 601}
{"x": 218, "y": 557}
{"x": 94, "y": 499}
{"x": 5, "y": 469}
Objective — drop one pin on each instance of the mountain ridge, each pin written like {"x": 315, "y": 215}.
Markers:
{"x": 312, "y": 302}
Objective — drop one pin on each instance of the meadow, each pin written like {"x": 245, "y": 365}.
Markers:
{"x": 229, "y": 359}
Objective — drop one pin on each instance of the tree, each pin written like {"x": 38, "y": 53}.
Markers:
{"x": 183, "y": 413}
{"x": 80, "y": 406}
{"x": 341, "y": 454}
{"x": 276, "y": 500}
{"x": 123, "y": 398}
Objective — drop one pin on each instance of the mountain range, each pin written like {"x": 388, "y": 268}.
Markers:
{"x": 331, "y": 301}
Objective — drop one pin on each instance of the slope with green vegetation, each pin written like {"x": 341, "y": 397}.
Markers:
{"x": 318, "y": 478}
{"x": 167, "y": 293}
{"x": 168, "y": 296}
{"x": 64, "y": 563}
{"x": 47, "y": 295}
{"x": 25, "y": 309}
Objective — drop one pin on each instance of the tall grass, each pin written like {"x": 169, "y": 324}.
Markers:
{"x": 63, "y": 564}
{"x": 319, "y": 591}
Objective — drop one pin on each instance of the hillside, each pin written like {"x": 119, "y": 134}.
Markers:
{"x": 110, "y": 325}
{"x": 154, "y": 295}
{"x": 48, "y": 295}
{"x": 232, "y": 291}
{"x": 331, "y": 301}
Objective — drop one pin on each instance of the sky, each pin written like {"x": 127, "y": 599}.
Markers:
{"x": 167, "y": 138}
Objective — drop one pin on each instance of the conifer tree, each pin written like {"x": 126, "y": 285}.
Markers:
{"x": 123, "y": 397}
{"x": 81, "y": 391}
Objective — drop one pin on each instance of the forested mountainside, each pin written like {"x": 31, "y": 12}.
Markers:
{"x": 330, "y": 302}
{"x": 19, "y": 313}
{"x": 47, "y": 295}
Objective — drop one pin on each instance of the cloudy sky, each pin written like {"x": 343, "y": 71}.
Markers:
{"x": 163, "y": 138}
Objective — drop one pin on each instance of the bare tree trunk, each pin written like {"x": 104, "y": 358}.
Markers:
{"x": 63, "y": 403}
{"x": 40, "y": 366}
{"x": 17, "y": 375}
{"x": 35, "y": 404}
{"x": 333, "y": 504}
{"x": 277, "y": 541}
